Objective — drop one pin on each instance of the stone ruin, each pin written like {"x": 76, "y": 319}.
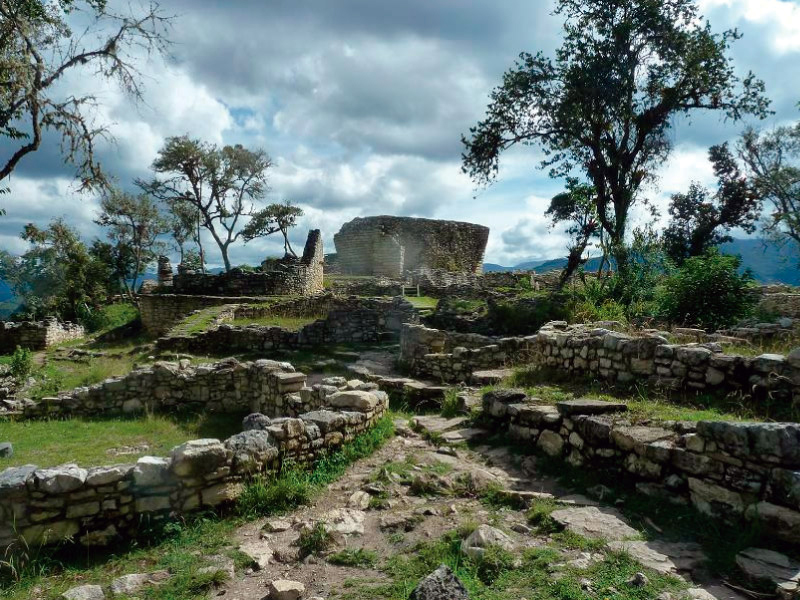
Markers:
{"x": 392, "y": 246}
{"x": 286, "y": 276}
{"x": 36, "y": 335}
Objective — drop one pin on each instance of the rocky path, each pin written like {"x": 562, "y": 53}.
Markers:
{"x": 412, "y": 491}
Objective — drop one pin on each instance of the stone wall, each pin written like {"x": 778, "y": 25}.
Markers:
{"x": 287, "y": 276}
{"x": 784, "y": 303}
{"x": 731, "y": 470}
{"x": 96, "y": 506}
{"x": 611, "y": 356}
{"x": 390, "y": 246}
{"x": 228, "y": 386}
{"x": 348, "y": 320}
{"x": 36, "y": 335}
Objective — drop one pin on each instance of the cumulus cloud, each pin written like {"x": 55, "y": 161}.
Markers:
{"x": 362, "y": 104}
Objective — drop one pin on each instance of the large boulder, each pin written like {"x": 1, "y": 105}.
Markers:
{"x": 256, "y": 421}
{"x": 442, "y": 584}
{"x": 284, "y": 589}
{"x": 355, "y": 400}
{"x": 593, "y": 522}
{"x": 198, "y": 457}
{"x": 84, "y": 592}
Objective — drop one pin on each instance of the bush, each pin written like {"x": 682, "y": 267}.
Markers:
{"x": 707, "y": 291}
{"x": 314, "y": 540}
{"x": 21, "y": 364}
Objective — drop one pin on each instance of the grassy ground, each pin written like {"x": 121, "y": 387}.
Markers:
{"x": 423, "y": 302}
{"x": 183, "y": 547}
{"x": 89, "y": 442}
{"x": 780, "y": 346}
{"x": 290, "y": 323}
{"x": 643, "y": 403}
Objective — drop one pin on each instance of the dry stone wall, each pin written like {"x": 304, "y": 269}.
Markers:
{"x": 229, "y": 386}
{"x": 390, "y": 246}
{"x": 36, "y": 335}
{"x": 730, "y": 470}
{"x": 99, "y": 505}
{"x": 348, "y": 320}
{"x": 608, "y": 355}
{"x": 784, "y": 303}
{"x": 287, "y": 276}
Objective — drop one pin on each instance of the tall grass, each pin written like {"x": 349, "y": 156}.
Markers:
{"x": 294, "y": 486}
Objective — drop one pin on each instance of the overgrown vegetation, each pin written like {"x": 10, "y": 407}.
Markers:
{"x": 294, "y": 486}
{"x": 354, "y": 557}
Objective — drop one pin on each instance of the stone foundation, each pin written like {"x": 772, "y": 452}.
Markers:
{"x": 734, "y": 471}
{"x": 348, "y": 320}
{"x": 229, "y": 386}
{"x": 36, "y": 335}
{"x": 597, "y": 352}
{"x": 97, "y": 506}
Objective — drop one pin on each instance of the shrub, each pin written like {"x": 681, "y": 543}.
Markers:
{"x": 707, "y": 291}
{"x": 314, "y": 540}
{"x": 450, "y": 404}
{"x": 21, "y": 364}
{"x": 493, "y": 563}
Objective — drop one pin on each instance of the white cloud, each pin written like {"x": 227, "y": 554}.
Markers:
{"x": 782, "y": 17}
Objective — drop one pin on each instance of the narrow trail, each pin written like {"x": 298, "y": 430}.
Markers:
{"x": 411, "y": 491}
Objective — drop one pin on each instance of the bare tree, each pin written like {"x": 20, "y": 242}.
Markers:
{"x": 37, "y": 48}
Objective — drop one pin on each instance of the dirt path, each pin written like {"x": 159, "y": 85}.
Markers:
{"x": 416, "y": 492}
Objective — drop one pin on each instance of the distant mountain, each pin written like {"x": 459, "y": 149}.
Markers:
{"x": 769, "y": 263}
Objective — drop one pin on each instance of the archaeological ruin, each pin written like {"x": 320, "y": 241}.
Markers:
{"x": 392, "y": 246}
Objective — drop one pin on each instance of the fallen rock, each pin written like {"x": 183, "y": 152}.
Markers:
{"x": 344, "y": 521}
{"x": 768, "y": 565}
{"x": 129, "y": 584}
{"x": 593, "y": 522}
{"x": 259, "y": 553}
{"x": 84, "y": 592}
{"x": 442, "y": 584}
{"x": 483, "y": 537}
{"x": 359, "y": 500}
{"x": 638, "y": 580}
{"x": 256, "y": 422}
{"x": 437, "y": 425}
{"x": 400, "y": 521}
{"x": 6, "y": 450}
{"x": 285, "y": 589}
{"x": 663, "y": 557}
{"x": 219, "y": 563}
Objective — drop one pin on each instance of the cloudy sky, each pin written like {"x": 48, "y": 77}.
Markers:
{"x": 361, "y": 104}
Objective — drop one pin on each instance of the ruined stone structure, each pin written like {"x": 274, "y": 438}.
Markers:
{"x": 391, "y": 246}
{"x": 230, "y": 386}
{"x": 286, "y": 276}
{"x": 164, "y": 272}
{"x": 36, "y": 335}
{"x": 99, "y": 505}
{"x": 598, "y": 352}
{"x": 347, "y": 320}
{"x": 730, "y": 470}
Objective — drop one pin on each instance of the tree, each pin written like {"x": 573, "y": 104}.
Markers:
{"x": 701, "y": 219}
{"x": 37, "y": 48}
{"x": 272, "y": 219}
{"x": 134, "y": 225}
{"x": 222, "y": 184}
{"x": 773, "y": 160}
{"x": 605, "y": 105}
{"x": 184, "y": 226}
{"x": 56, "y": 276}
{"x": 577, "y": 207}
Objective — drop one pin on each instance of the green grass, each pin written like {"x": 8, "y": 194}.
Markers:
{"x": 290, "y": 323}
{"x": 502, "y": 575}
{"x": 181, "y": 547}
{"x": 547, "y": 387}
{"x": 62, "y": 375}
{"x": 314, "y": 540}
{"x": 295, "y": 486}
{"x": 423, "y": 302}
{"x": 88, "y": 441}
{"x": 358, "y": 557}
{"x": 112, "y": 316}
{"x": 450, "y": 404}
{"x": 774, "y": 346}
